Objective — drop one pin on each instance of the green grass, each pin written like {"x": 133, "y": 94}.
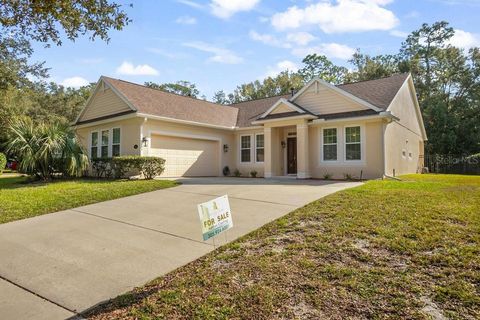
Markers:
{"x": 386, "y": 249}
{"x": 20, "y": 199}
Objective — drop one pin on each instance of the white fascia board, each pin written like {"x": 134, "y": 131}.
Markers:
{"x": 382, "y": 115}
{"x": 303, "y": 116}
{"x": 337, "y": 90}
{"x": 285, "y": 101}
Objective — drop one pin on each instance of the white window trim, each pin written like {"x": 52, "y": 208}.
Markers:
{"x": 362, "y": 144}
{"x": 90, "y": 144}
{"x": 112, "y": 144}
{"x": 322, "y": 159}
{"x": 255, "y": 151}
{"x": 240, "y": 148}
{"x": 99, "y": 142}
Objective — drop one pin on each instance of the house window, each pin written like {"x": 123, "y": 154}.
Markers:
{"x": 116, "y": 142}
{"x": 245, "y": 148}
{"x": 353, "y": 150}
{"x": 105, "y": 138}
{"x": 330, "y": 144}
{"x": 259, "y": 148}
{"x": 94, "y": 145}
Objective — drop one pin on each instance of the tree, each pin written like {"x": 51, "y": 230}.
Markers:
{"x": 318, "y": 66}
{"x": 183, "y": 88}
{"x": 281, "y": 84}
{"x": 220, "y": 97}
{"x": 366, "y": 67}
{"x": 44, "y": 148}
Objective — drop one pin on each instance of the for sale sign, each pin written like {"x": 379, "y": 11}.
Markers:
{"x": 215, "y": 217}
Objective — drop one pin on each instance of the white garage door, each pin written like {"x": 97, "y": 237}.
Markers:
{"x": 186, "y": 157}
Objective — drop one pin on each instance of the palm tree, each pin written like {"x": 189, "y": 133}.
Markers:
{"x": 44, "y": 148}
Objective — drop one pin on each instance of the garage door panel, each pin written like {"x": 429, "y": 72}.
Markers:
{"x": 186, "y": 156}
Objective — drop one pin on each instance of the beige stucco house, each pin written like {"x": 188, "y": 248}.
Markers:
{"x": 367, "y": 129}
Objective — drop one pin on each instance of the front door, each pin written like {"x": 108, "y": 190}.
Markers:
{"x": 291, "y": 155}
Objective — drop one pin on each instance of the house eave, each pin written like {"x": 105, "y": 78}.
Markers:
{"x": 303, "y": 116}
{"x": 381, "y": 115}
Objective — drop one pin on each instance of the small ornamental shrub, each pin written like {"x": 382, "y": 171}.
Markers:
{"x": 237, "y": 173}
{"x": 226, "y": 171}
{"x": 327, "y": 176}
{"x": 118, "y": 167}
{"x": 253, "y": 174}
{"x": 348, "y": 176}
{"x": 3, "y": 162}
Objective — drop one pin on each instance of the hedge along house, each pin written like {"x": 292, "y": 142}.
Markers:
{"x": 369, "y": 129}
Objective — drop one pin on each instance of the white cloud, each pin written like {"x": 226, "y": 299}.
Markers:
{"x": 281, "y": 66}
{"x": 300, "y": 38}
{"x": 127, "y": 68}
{"x": 226, "y": 8}
{"x": 186, "y": 20}
{"x": 268, "y": 39}
{"x": 220, "y": 55}
{"x": 338, "y": 16}
{"x": 399, "y": 34}
{"x": 190, "y": 4}
{"x": 75, "y": 82}
{"x": 465, "y": 40}
{"x": 331, "y": 50}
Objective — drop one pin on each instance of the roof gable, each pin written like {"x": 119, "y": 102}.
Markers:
{"x": 104, "y": 101}
{"x": 155, "y": 102}
{"x": 321, "y": 97}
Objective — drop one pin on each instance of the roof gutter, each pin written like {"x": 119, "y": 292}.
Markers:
{"x": 303, "y": 116}
{"x": 380, "y": 115}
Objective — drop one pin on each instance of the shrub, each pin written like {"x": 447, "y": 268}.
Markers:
{"x": 348, "y": 176}
{"x": 3, "y": 162}
{"x": 237, "y": 173}
{"x": 226, "y": 171}
{"x": 118, "y": 167}
{"x": 253, "y": 174}
{"x": 327, "y": 176}
{"x": 46, "y": 148}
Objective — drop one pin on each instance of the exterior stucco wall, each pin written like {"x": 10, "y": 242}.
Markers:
{"x": 371, "y": 165}
{"x": 129, "y": 134}
{"x": 246, "y": 167}
{"x": 404, "y": 145}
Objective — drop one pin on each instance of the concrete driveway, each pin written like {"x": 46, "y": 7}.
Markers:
{"x": 56, "y": 265}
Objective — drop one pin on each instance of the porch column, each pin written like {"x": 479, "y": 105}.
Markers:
{"x": 267, "y": 136}
{"x": 303, "y": 160}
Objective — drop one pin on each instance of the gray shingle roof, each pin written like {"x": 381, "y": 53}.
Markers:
{"x": 379, "y": 92}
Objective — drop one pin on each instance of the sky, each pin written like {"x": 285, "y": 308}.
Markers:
{"x": 219, "y": 44}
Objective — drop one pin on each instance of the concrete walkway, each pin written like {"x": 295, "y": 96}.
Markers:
{"x": 56, "y": 265}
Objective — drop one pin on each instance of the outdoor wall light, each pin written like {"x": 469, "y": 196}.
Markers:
{"x": 225, "y": 148}
{"x": 145, "y": 142}
{"x": 283, "y": 144}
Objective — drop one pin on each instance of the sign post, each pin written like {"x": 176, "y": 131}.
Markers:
{"x": 215, "y": 217}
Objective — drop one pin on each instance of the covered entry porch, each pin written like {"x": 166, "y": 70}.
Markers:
{"x": 286, "y": 148}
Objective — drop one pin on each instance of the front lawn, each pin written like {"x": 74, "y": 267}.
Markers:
{"x": 20, "y": 200}
{"x": 387, "y": 249}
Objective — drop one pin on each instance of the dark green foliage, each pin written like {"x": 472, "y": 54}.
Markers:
{"x": 237, "y": 173}
{"x": 226, "y": 171}
{"x": 3, "y": 162}
{"x": 119, "y": 167}
{"x": 46, "y": 148}
{"x": 183, "y": 88}
{"x": 253, "y": 174}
